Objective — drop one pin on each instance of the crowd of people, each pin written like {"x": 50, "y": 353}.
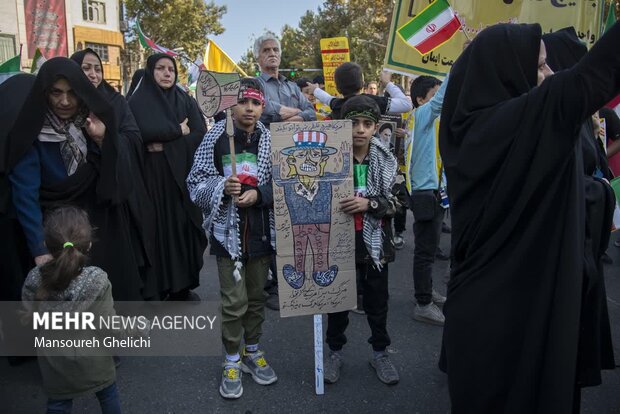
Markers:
{"x": 109, "y": 197}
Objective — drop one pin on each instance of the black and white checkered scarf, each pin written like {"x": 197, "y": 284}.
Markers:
{"x": 206, "y": 189}
{"x": 382, "y": 168}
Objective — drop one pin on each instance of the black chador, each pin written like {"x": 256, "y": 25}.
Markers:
{"x": 168, "y": 157}
{"x": 97, "y": 182}
{"x": 513, "y": 162}
{"x": 142, "y": 213}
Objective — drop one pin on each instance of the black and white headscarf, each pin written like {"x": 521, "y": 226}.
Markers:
{"x": 382, "y": 168}
{"x": 206, "y": 190}
{"x": 73, "y": 147}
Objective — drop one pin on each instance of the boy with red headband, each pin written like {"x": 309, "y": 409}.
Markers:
{"x": 238, "y": 212}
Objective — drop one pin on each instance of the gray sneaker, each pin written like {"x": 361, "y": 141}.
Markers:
{"x": 429, "y": 313}
{"x": 231, "y": 386}
{"x": 331, "y": 367}
{"x": 399, "y": 242}
{"x": 438, "y": 298}
{"x": 386, "y": 371}
{"x": 254, "y": 363}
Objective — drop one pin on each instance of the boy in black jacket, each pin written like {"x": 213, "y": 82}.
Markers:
{"x": 242, "y": 232}
{"x": 372, "y": 207}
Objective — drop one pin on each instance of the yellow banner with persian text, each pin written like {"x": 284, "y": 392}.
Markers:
{"x": 475, "y": 15}
{"x": 334, "y": 52}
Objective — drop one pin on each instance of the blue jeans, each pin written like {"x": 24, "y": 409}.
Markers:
{"x": 108, "y": 400}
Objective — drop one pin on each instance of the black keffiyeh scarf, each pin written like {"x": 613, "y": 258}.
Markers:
{"x": 382, "y": 168}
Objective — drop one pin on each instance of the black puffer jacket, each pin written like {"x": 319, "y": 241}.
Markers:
{"x": 254, "y": 220}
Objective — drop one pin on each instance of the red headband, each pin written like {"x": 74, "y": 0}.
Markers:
{"x": 251, "y": 93}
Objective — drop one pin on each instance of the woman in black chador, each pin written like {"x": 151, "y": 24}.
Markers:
{"x": 519, "y": 286}
{"x": 564, "y": 50}
{"x": 172, "y": 127}
{"x": 15, "y": 258}
{"x": 142, "y": 228}
{"x": 64, "y": 149}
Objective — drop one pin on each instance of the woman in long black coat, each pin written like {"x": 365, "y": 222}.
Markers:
{"x": 142, "y": 213}
{"x": 509, "y": 141}
{"x": 172, "y": 127}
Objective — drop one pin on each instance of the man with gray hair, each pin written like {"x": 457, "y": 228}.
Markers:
{"x": 283, "y": 99}
{"x": 283, "y": 102}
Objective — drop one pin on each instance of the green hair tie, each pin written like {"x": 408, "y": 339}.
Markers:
{"x": 67, "y": 244}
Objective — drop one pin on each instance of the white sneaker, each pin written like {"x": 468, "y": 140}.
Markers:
{"x": 429, "y": 314}
{"x": 438, "y": 298}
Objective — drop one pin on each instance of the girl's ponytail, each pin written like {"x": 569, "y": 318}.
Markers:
{"x": 68, "y": 236}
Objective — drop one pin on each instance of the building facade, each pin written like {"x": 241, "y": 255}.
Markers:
{"x": 61, "y": 27}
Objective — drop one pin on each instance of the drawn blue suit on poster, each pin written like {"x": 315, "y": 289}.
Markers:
{"x": 308, "y": 195}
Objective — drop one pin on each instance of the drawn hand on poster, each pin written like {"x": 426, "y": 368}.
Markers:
{"x": 308, "y": 196}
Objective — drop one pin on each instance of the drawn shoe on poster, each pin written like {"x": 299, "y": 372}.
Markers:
{"x": 325, "y": 278}
{"x": 294, "y": 278}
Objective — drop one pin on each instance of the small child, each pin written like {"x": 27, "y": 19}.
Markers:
{"x": 66, "y": 284}
{"x": 426, "y": 183}
{"x": 349, "y": 79}
{"x": 374, "y": 169}
{"x": 238, "y": 213}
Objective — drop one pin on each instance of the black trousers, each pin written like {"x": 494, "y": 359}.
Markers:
{"x": 400, "y": 221}
{"x": 375, "y": 288}
{"x": 426, "y": 240}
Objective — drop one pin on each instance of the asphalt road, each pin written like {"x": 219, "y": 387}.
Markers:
{"x": 190, "y": 384}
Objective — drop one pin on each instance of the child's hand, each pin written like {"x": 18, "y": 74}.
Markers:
{"x": 232, "y": 186}
{"x": 248, "y": 198}
{"x": 354, "y": 205}
{"x": 400, "y": 133}
{"x": 42, "y": 259}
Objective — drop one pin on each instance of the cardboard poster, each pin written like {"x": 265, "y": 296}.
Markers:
{"x": 315, "y": 240}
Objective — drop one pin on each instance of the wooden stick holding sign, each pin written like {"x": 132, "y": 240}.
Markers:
{"x": 230, "y": 131}
{"x": 318, "y": 355}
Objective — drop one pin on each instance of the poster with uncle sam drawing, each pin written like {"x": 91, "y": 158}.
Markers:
{"x": 315, "y": 240}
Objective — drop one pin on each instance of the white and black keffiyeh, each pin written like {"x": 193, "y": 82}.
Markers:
{"x": 382, "y": 168}
{"x": 206, "y": 189}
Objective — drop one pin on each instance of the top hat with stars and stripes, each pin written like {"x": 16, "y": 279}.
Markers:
{"x": 309, "y": 140}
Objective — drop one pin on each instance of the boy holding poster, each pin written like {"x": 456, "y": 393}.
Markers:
{"x": 238, "y": 211}
{"x": 372, "y": 207}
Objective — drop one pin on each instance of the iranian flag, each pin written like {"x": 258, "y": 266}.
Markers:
{"x": 37, "y": 61}
{"x": 434, "y": 26}
{"x": 149, "y": 44}
{"x": 10, "y": 67}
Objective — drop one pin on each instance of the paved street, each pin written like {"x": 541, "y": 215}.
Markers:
{"x": 190, "y": 385}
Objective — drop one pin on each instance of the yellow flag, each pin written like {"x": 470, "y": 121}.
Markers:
{"x": 217, "y": 60}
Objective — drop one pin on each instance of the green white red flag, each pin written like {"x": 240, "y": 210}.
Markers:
{"x": 37, "y": 61}
{"x": 148, "y": 43}
{"x": 10, "y": 67}
{"x": 431, "y": 28}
